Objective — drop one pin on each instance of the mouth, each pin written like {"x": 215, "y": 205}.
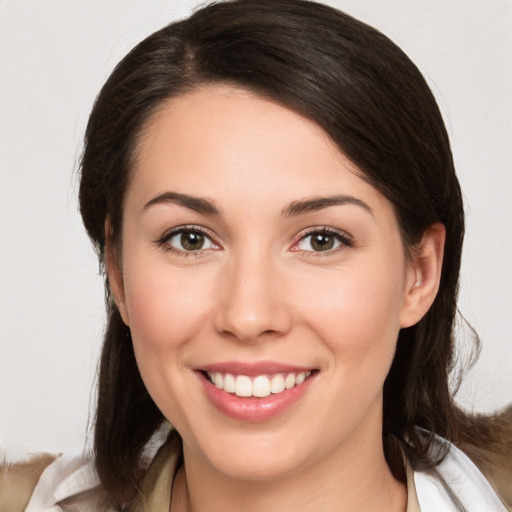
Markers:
{"x": 255, "y": 393}
{"x": 259, "y": 386}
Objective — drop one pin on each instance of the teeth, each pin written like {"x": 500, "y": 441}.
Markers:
{"x": 277, "y": 384}
{"x": 260, "y": 386}
{"x": 218, "y": 380}
{"x": 229, "y": 383}
{"x": 243, "y": 386}
{"x": 289, "y": 382}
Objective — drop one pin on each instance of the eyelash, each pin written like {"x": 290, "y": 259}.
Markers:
{"x": 343, "y": 238}
{"x": 163, "y": 241}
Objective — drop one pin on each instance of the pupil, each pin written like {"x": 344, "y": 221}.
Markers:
{"x": 322, "y": 242}
{"x": 192, "y": 241}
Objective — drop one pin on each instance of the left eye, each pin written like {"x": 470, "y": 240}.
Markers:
{"x": 321, "y": 241}
{"x": 190, "y": 240}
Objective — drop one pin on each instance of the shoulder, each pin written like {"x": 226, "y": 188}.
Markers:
{"x": 455, "y": 484}
{"x": 70, "y": 483}
{"x": 494, "y": 458}
{"x": 48, "y": 483}
{"x": 18, "y": 480}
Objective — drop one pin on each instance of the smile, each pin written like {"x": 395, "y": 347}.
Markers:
{"x": 259, "y": 386}
{"x": 255, "y": 392}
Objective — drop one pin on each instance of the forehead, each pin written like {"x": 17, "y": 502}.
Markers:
{"x": 229, "y": 143}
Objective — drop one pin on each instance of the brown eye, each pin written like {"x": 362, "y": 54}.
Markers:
{"x": 322, "y": 241}
{"x": 192, "y": 240}
{"x": 188, "y": 240}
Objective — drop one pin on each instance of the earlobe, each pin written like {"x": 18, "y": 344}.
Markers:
{"x": 423, "y": 275}
{"x": 115, "y": 273}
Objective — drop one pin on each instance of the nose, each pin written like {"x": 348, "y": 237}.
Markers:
{"x": 252, "y": 302}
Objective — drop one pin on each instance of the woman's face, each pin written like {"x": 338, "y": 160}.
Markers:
{"x": 253, "y": 255}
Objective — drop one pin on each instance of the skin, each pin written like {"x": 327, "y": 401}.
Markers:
{"x": 260, "y": 292}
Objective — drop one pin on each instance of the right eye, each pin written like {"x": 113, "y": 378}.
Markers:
{"x": 186, "y": 240}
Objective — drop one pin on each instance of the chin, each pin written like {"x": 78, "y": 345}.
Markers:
{"x": 262, "y": 456}
{"x": 259, "y": 467}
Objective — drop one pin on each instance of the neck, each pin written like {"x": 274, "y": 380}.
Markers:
{"x": 352, "y": 477}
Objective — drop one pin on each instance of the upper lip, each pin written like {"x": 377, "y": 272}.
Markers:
{"x": 252, "y": 369}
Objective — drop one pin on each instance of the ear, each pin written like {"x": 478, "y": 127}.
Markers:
{"x": 423, "y": 275}
{"x": 115, "y": 272}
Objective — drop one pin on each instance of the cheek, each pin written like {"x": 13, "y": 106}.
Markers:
{"x": 357, "y": 309}
{"x": 165, "y": 306}
{"x": 357, "y": 318}
{"x": 166, "y": 311}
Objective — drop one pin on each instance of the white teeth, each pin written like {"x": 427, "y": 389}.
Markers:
{"x": 243, "y": 386}
{"x": 277, "y": 383}
{"x": 218, "y": 380}
{"x": 260, "y": 386}
{"x": 229, "y": 383}
{"x": 289, "y": 382}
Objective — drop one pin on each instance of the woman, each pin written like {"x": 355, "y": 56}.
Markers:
{"x": 271, "y": 191}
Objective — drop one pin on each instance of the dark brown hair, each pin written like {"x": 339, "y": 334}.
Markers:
{"x": 374, "y": 104}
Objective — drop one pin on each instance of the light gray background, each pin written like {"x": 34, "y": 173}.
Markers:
{"x": 54, "y": 56}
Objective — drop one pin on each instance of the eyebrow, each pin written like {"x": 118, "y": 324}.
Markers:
{"x": 314, "y": 204}
{"x": 198, "y": 204}
{"x": 300, "y": 207}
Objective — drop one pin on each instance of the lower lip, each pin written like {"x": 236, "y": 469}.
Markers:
{"x": 254, "y": 409}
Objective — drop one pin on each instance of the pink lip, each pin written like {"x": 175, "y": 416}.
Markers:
{"x": 253, "y": 409}
{"x": 252, "y": 369}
